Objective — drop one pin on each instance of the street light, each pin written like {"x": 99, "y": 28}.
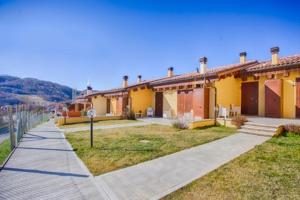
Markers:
{"x": 91, "y": 114}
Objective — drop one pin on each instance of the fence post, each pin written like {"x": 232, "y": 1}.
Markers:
{"x": 11, "y": 128}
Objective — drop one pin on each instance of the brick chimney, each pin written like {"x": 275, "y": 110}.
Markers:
{"x": 203, "y": 61}
{"x": 125, "y": 81}
{"x": 170, "y": 71}
{"x": 275, "y": 57}
{"x": 139, "y": 79}
{"x": 243, "y": 57}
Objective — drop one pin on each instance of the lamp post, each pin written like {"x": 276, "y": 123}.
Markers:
{"x": 91, "y": 114}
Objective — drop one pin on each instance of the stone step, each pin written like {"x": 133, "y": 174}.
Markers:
{"x": 260, "y": 125}
{"x": 256, "y": 132}
{"x": 259, "y": 128}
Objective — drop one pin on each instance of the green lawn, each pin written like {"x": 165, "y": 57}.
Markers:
{"x": 100, "y": 123}
{"x": 270, "y": 171}
{"x": 123, "y": 147}
{"x": 4, "y": 150}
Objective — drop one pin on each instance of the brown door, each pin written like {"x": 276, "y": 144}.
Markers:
{"x": 180, "y": 103}
{"x": 184, "y": 102}
{"x": 107, "y": 105}
{"x": 188, "y": 101}
{"x": 250, "y": 98}
{"x": 273, "y": 95}
{"x": 158, "y": 104}
{"x": 119, "y": 106}
{"x": 297, "y": 97}
{"x": 201, "y": 103}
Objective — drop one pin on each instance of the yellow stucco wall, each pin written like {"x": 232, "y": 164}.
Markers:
{"x": 113, "y": 106}
{"x": 141, "y": 99}
{"x": 170, "y": 103}
{"x": 288, "y": 94}
{"x": 75, "y": 120}
{"x": 228, "y": 92}
{"x": 99, "y": 104}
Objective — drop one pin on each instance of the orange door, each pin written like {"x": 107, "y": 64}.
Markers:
{"x": 273, "y": 95}
{"x": 201, "y": 102}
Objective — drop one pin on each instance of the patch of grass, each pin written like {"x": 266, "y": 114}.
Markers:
{"x": 123, "y": 147}
{"x": 269, "y": 171}
{"x": 99, "y": 123}
{"x": 4, "y": 150}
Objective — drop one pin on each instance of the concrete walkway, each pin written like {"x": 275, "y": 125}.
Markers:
{"x": 159, "y": 177}
{"x": 45, "y": 167}
{"x": 86, "y": 128}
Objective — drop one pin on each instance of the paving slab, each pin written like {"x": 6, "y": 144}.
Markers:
{"x": 44, "y": 166}
{"x": 159, "y": 177}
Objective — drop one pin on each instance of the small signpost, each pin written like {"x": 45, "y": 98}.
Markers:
{"x": 91, "y": 114}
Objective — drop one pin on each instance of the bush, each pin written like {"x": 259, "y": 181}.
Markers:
{"x": 180, "y": 124}
{"x": 130, "y": 115}
{"x": 239, "y": 121}
{"x": 284, "y": 129}
{"x": 83, "y": 113}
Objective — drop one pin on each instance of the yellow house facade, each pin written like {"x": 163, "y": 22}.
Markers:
{"x": 268, "y": 88}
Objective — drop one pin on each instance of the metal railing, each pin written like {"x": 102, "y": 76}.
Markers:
{"x": 15, "y": 121}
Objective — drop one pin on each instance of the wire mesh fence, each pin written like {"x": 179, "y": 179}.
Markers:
{"x": 15, "y": 121}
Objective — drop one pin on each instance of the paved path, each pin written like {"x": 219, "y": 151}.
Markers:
{"x": 86, "y": 128}
{"x": 159, "y": 177}
{"x": 45, "y": 167}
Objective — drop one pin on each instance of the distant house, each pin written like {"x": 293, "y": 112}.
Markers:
{"x": 260, "y": 88}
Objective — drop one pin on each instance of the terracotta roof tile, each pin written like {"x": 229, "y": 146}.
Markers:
{"x": 284, "y": 61}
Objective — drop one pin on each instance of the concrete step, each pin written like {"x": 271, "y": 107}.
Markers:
{"x": 259, "y": 128}
{"x": 256, "y": 132}
{"x": 260, "y": 125}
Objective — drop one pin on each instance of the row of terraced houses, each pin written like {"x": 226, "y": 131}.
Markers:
{"x": 260, "y": 88}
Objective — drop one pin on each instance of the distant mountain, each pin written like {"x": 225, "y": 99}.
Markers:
{"x": 14, "y": 90}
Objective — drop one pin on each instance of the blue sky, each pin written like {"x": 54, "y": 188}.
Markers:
{"x": 71, "y": 42}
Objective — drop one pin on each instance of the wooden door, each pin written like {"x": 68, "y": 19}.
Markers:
{"x": 201, "y": 103}
{"x": 188, "y": 101}
{"x": 158, "y": 104}
{"x": 297, "y": 97}
{"x": 180, "y": 103}
{"x": 273, "y": 95}
{"x": 119, "y": 106}
{"x": 107, "y": 105}
{"x": 250, "y": 98}
{"x": 184, "y": 102}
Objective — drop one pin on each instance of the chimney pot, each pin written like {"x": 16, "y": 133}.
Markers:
{"x": 125, "y": 81}
{"x": 275, "y": 56}
{"x": 243, "y": 56}
{"x": 170, "y": 71}
{"x": 203, "y": 61}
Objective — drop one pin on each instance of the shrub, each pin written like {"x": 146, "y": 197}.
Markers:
{"x": 238, "y": 121}
{"x": 83, "y": 113}
{"x": 180, "y": 124}
{"x": 284, "y": 129}
{"x": 280, "y": 131}
{"x": 130, "y": 115}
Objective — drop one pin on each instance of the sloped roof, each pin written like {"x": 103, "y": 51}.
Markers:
{"x": 283, "y": 61}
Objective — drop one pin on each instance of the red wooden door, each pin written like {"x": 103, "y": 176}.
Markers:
{"x": 119, "y": 106}
{"x": 188, "y": 101}
{"x": 201, "y": 103}
{"x": 273, "y": 95}
{"x": 250, "y": 98}
{"x": 180, "y": 103}
{"x": 158, "y": 104}
{"x": 297, "y": 97}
